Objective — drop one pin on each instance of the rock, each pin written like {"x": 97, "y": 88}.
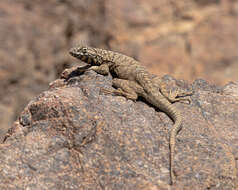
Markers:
{"x": 72, "y": 136}
{"x": 185, "y": 39}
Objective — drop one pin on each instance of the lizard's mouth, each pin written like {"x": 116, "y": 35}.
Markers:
{"x": 74, "y": 53}
{"x": 85, "y": 56}
{"x": 81, "y": 56}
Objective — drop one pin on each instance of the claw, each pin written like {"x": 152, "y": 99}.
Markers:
{"x": 106, "y": 91}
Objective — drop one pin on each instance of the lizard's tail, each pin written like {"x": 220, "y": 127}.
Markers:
{"x": 177, "y": 118}
{"x": 176, "y": 128}
{"x": 164, "y": 105}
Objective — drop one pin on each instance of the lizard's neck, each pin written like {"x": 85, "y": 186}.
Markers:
{"x": 113, "y": 57}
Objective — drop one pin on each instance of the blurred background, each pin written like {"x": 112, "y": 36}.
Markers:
{"x": 188, "y": 39}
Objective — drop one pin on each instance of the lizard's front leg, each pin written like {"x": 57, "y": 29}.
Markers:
{"x": 102, "y": 69}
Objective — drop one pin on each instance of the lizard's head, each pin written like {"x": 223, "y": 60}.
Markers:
{"x": 87, "y": 55}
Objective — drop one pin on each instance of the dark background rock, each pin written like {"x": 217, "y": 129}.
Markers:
{"x": 74, "y": 137}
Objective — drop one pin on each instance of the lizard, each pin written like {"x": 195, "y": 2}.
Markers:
{"x": 133, "y": 80}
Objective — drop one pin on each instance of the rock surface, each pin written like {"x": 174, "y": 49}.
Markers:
{"x": 186, "y": 39}
{"x": 74, "y": 137}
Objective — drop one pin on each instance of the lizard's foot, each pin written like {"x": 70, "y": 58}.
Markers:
{"x": 179, "y": 96}
{"x": 119, "y": 92}
{"x": 74, "y": 71}
{"x": 107, "y": 91}
{"x": 175, "y": 96}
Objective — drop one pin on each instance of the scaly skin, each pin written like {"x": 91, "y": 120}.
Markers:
{"x": 134, "y": 80}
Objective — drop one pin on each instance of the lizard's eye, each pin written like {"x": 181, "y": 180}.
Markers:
{"x": 84, "y": 50}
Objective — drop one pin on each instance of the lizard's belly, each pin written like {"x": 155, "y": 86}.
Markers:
{"x": 125, "y": 72}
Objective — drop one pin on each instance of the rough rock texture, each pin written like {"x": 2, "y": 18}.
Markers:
{"x": 74, "y": 137}
{"x": 187, "y": 39}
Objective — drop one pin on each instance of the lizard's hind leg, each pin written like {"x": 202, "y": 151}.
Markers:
{"x": 128, "y": 89}
{"x": 176, "y": 96}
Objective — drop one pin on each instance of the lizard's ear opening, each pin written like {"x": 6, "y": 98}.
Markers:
{"x": 97, "y": 60}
